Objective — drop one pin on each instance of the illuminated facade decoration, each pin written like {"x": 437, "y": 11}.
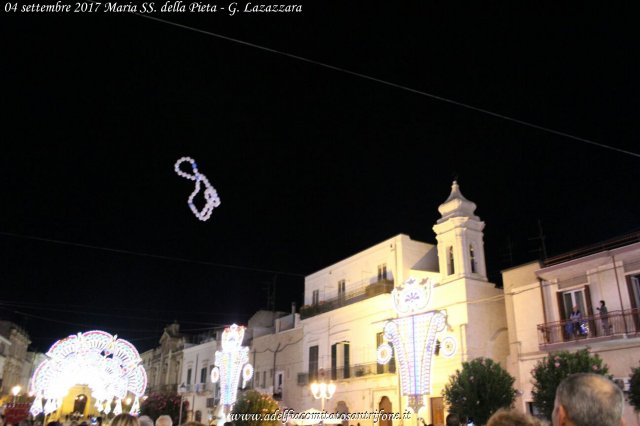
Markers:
{"x": 212, "y": 200}
{"x": 230, "y": 363}
{"x": 413, "y": 335}
{"x": 108, "y": 365}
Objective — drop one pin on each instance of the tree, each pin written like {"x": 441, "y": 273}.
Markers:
{"x": 158, "y": 404}
{"x": 253, "y": 402}
{"x": 479, "y": 390}
{"x": 634, "y": 388}
{"x": 551, "y": 370}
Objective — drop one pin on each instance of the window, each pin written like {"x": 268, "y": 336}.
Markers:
{"x": 472, "y": 258}
{"x": 382, "y": 272}
{"x": 580, "y": 297}
{"x": 264, "y": 379}
{"x": 389, "y": 367}
{"x": 315, "y": 297}
{"x": 313, "y": 363}
{"x": 634, "y": 290}
{"x": 203, "y": 375}
{"x": 450, "y": 265}
{"x": 279, "y": 383}
{"x": 341, "y": 289}
{"x": 340, "y": 361}
{"x": 189, "y": 376}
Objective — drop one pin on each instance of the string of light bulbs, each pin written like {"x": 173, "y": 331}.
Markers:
{"x": 212, "y": 200}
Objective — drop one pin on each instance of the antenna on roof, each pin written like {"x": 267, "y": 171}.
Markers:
{"x": 541, "y": 237}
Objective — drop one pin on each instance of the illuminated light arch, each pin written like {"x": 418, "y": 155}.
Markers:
{"x": 108, "y": 365}
{"x": 413, "y": 336}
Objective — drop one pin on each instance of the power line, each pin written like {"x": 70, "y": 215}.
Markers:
{"x": 100, "y": 314}
{"x": 115, "y": 308}
{"x": 150, "y": 255}
{"x": 397, "y": 86}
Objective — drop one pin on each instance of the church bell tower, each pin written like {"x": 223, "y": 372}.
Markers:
{"x": 460, "y": 239}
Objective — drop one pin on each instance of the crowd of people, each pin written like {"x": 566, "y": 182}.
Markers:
{"x": 582, "y": 399}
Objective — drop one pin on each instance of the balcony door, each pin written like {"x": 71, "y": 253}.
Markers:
{"x": 574, "y": 298}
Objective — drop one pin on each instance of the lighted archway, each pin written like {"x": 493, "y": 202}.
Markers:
{"x": 108, "y": 365}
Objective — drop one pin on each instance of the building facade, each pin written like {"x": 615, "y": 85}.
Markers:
{"x": 4, "y": 352}
{"x": 347, "y": 305}
{"x": 195, "y": 381}
{"x": 15, "y": 357}
{"x": 277, "y": 358}
{"x": 163, "y": 364}
{"x": 539, "y": 299}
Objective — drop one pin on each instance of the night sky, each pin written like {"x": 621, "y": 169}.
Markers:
{"x": 312, "y": 164}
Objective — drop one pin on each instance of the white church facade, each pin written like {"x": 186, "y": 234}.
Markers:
{"x": 347, "y": 306}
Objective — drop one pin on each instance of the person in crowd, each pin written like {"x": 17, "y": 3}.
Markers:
{"x": 508, "y": 417}
{"x": 452, "y": 420}
{"x": 586, "y": 399}
{"x": 125, "y": 420}
{"x": 145, "y": 421}
{"x": 604, "y": 317}
{"x": 164, "y": 420}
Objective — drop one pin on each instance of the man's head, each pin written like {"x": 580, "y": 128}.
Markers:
{"x": 585, "y": 399}
{"x": 164, "y": 420}
{"x": 509, "y": 417}
{"x": 453, "y": 420}
{"x": 145, "y": 421}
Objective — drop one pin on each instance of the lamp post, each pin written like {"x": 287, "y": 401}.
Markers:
{"x": 322, "y": 391}
{"x": 182, "y": 389}
{"x": 15, "y": 391}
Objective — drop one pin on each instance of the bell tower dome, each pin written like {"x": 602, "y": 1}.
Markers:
{"x": 460, "y": 239}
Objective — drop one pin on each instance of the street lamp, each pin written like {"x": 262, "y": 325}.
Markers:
{"x": 15, "y": 391}
{"x": 323, "y": 391}
{"x": 182, "y": 389}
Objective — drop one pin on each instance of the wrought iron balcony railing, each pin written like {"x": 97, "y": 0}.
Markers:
{"x": 614, "y": 324}
{"x": 357, "y": 295}
{"x": 348, "y": 372}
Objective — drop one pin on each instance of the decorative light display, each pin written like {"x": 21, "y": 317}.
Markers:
{"x": 247, "y": 374}
{"x": 413, "y": 336}
{"x": 108, "y": 365}
{"x": 448, "y": 347}
{"x": 212, "y": 200}
{"x": 229, "y": 364}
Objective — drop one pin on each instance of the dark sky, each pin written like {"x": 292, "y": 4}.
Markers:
{"x": 312, "y": 164}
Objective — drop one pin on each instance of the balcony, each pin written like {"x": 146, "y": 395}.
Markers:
{"x": 350, "y": 372}
{"x": 357, "y": 295}
{"x": 190, "y": 388}
{"x": 204, "y": 388}
{"x": 162, "y": 388}
{"x": 616, "y": 325}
